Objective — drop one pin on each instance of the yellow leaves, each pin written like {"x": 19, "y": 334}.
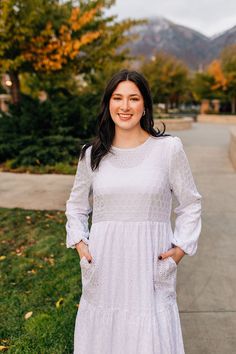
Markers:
{"x": 67, "y": 48}
{"x": 50, "y": 260}
{"x": 28, "y": 315}
{"x": 3, "y": 348}
{"x": 215, "y": 70}
{"x": 49, "y": 216}
{"x": 74, "y": 14}
{"x": 19, "y": 251}
{"x": 2, "y": 258}
{"x": 78, "y": 23}
{"x": 63, "y": 29}
{"x": 32, "y": 271}
{"x": 28, "y": 219}
{"x": 59, "y": 302}
{"x": 76, "y": 44}
{"x": 89, "y": 37}
{"x": 50, "y": 50}
{"x": 4, "y": 345}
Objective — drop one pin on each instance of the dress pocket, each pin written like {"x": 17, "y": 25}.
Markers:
{"x": 89, "y": 279}
{"x": 165, "y": 280}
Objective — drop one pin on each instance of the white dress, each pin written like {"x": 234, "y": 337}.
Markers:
{"x": 128, "y": 302}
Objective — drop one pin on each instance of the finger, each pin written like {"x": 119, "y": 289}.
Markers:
{"x": 89, "y": 257}
{"x": 166, "y": 254}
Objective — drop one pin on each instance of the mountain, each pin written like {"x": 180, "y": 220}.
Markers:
{"x": 222, "y": 40}
{"x": 195, "y": 49}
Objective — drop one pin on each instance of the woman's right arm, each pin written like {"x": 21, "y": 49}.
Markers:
{"x": 78, "y": 206}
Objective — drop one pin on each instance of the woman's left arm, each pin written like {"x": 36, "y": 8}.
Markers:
{"x": 188, "y": 212}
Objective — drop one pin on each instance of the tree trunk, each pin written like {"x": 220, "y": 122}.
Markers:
{"x": 166, "y": 106}
{"x": 233, "y": 105}
{"x": 15, "y": 87}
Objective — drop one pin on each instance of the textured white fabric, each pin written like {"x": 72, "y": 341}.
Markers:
{"x": 128, "y": 302}
{"x": 78, "y": 206}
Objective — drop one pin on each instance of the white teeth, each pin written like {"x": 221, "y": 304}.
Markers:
{"x": 125, "y": 115}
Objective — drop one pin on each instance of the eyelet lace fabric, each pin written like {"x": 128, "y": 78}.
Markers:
{"x": 129, "y": 157}
{"x": 128, "y": 302}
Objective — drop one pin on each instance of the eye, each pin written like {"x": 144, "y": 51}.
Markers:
{"x": 116, "y": 98}
{"x": 134, "y": 99}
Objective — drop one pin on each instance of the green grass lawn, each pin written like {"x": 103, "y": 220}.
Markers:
{"x": 59, "y": 168}
{"x": 37, "y": 270}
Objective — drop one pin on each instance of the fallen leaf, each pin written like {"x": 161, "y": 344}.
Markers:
{"x": 49, "y": 260}
{"x": 32, "y": 271}
{"x": 59, "y": 302}
{"x": 28, "y": 315}
{"x": 50, "y": 216}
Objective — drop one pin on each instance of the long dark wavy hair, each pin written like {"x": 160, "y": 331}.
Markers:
{"x": 102, "y": 142}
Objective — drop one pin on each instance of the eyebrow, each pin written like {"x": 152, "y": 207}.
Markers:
{"x": 119, "y": 94}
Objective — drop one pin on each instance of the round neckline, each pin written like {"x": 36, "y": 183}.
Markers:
{"x": 132, "y": 148}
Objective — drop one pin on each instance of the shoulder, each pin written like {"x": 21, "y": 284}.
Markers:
{"x": 171, "y": 147}
{"x": 85, "y": 156}
{"x": 85, "y": 151}
{"x": 177, "y": 142}
{"x": 169, "y": 141}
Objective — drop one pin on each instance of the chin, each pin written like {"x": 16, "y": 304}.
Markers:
{"x": 126, "y": 125}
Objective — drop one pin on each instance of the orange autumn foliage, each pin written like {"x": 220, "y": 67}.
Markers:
{"x": 215, "y": 70}
{"x": 50, "y": 51}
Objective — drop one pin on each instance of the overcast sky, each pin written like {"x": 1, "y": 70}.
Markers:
{"x": 207, "y": 16}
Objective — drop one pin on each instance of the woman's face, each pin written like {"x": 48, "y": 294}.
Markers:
{"x": 126, "y": 105}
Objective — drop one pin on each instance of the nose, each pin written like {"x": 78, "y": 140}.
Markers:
{"x": 125, "y": 105}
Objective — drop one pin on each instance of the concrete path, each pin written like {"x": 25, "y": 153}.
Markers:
{"x": 206, "y": 284}
{"x": 37, "y": 192}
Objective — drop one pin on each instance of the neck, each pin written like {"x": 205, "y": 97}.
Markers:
{"x": 126, "y": 138}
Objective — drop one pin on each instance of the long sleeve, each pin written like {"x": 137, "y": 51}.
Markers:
{"x": 78, "y": 206}
{"x": 188, "y": 212}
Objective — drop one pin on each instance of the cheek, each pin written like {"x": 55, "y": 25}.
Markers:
{"x": 138, "y": 108}
{"x": 112, "y": 106}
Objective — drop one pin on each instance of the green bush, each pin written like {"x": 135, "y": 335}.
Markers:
{"x": 49, "y": 150}
{"x": 47, "y": 132}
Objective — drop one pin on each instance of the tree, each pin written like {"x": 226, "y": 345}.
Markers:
{"x": 215, "y": 70}
{"x": 210, "y": 84}
{"x": 202, "y": 86}
{"x": 39, "y": 38}
{"x": 168, "y": 78}
{"x": 219, "y": 78}
{"x": 42, "y": 36}
{"x": 228, "y": 62}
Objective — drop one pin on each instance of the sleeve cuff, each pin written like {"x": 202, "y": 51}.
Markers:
{"x": 188, "y": 250}
{"x": 73, "y": 243}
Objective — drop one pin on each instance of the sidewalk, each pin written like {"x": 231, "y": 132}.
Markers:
{"x": 30, "y": 191}
{"x": 206, "y": 284}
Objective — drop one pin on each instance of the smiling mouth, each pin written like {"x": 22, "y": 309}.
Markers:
{"x": 124, "y": 116}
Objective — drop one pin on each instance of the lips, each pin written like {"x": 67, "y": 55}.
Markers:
{"x": 123, "y": 116}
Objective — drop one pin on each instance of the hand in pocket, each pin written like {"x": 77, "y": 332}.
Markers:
{"x": 176, "y": 253}
{"x": 83, "y": 251}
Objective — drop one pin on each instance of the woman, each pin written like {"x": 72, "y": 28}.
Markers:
{"x": 130, "y": 255}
